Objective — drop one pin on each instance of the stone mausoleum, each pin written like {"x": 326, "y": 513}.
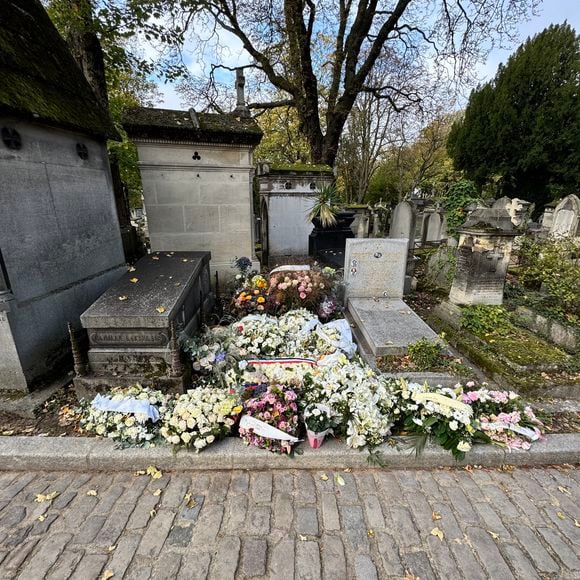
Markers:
{"x": 197, "y": 172}
{"x": 286, "y": 197}
{"x": 60, "y": 243}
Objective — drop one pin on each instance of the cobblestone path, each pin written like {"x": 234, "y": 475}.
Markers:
{"x": 292, "y": 524}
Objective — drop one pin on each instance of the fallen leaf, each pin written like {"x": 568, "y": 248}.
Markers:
{"x": 185, "y": 260}
{"x": 112, "y": 548}
{"x": 187, "y": 496}
{"x": 371, "y": 533}
{"x": 155, "y": 257}
{"x": 140, "y": 472}
{"x": 92, "y": 492}
{"x": 154, "y": 472}
{"x": 157, "y": 492}
{"x": 435, "y": 516}
{"x": 132, "y": 268}
{"x": 160, "y": 309}
{"x": 409, "y": 576}
{"x": 41, "y": 518}
{"x": 152, "y": 513}
{"x": 42, "y": 497}
{"x": 122, "y": 298}
{"x": 507, "y": 467}
{"x": 348, "y": 470}
{"x": 106, "y": 575}
{"x": 339, "y": 479}
{"x": 493, "y": 535}
{"x": 577, "y": 523}
{"x": 561, "y": 515}
{"x": 563, "y": 489}
{"x": 8, "y": 433}
{"x": 302, "y": 538}
{"x": 324, "y": 477}
{"x": 191, "y": 503}
{"x": 134, "y": 280}
{"x": 438, "y": 533}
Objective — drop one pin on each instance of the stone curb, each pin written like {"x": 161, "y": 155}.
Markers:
{"x": 90, "y": 454}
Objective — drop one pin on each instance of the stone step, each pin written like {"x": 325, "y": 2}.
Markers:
{"x": 388, "y": 325}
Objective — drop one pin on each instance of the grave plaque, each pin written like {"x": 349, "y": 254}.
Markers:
{"x": 375, "y": 267}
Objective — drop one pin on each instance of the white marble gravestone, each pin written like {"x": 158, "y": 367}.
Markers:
{"x": 375, "y": 267}
{"x": 403, "y": 221}
{"x": 566, "y": 220}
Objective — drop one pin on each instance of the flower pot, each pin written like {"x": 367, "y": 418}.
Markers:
{"x": 315, "y": 439}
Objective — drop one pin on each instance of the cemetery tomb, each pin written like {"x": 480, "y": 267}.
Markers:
{"x": 59, "y": 230}
{"x": 286, "y": 197}
{"x": 566, "y": 220}
{"x": 197, "y": 171}
{"x": 374, "y": 277}
{"x": 131, "y": 326}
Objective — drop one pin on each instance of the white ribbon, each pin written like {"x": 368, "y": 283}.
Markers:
{"x": 264, "y": 430}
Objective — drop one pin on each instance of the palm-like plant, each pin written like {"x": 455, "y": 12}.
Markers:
{"x": 326, "y": 206}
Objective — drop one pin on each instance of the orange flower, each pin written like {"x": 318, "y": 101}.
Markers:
{"x": 261, "y": 299}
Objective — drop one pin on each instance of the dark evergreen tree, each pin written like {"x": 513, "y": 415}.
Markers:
{"x": 522, "y": 129}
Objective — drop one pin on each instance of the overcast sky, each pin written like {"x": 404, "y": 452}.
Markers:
{"x": 550, "y": 12}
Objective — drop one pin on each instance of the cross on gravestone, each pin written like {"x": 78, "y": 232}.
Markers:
{"x": 494, "y": 257}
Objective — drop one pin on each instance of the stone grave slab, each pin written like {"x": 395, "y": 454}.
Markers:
{"x": 388, "y": 325}
{"x": 375, "y": 267}
{"x": 129, "y": 326}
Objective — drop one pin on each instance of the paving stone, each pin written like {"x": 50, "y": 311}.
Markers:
{"x": 236, "y": 511}
{"x": 108, "y": 498}
{"x": 258, "y": 521}
{"x": 90, "y": 566}
{"x": 333, "y": 558}
{"x": 489, "y": 553}
{"x": 17, "y": 485}
{"x": 365, "y": 482}
{"x": 135, "y": 490}
{"x": 442, "y": 559}
{"x": 429, "y": 486}
{"x": 421, "y": 512}
{"x": 559, "y": 546}
{"x": 418, "y": 564}
{"x": 89, "y": 530}
{"x": 566, "y": 526}
{"x": 261, "y": 486}
{"x": 282, "y": 511}
{"x": 44, "y": 556}
{"x": 330, "y": 516}
{"x": 218, "y": 489}
{"x": 167, "y": 566}
{"x": 240, "y": 482}
{"x": 194, "y": 566}
{"x": 355, "y": 527}
{"x": 500, "y": 502}
{"x": 462, "y": 506}
{"x": 307, "y": 521}
{"x": 389, "y": 553}
{"x": 63, "y": 500}
{"x": 491, "y": 519}
{"x": 346, "y": 493}
{"x": 180, "y": 535}
{"x": 374, "y": 512}
{"x": 408, "y": 481}
{"x": 65, "y": 565}
{"x": 305, "y": 488}
{"x": 527, "y": 507}
{"x": 225, "y": 562}
{"x": 12, "y": 516}
{"x": 307, "y": 565}
{"x": 524, "y": 569}
{"x": 141, "y": 514}
{"x": 139, "y": 573}
{"x": 470, "y": 567}
{"x": 284, "y": 482}
{"x": 18, "y": 555}
{"x": 113, "y": 526}
{"x": 207, "y": 527}
{"x": 364, "y": 568}
{"x": 254, "y": 557}
{"x": 282, "y": 560}
{"x": 403, "y": 522}
{"x": 390, "y": 489}
{"x": 174, "y": 494}
{"x": 531, "y": 543}
{"x": 155, "y": 536}
{"x": 191, "y": 510}
{"x": 123, "y": 554}
{"x": 525, "y": 481}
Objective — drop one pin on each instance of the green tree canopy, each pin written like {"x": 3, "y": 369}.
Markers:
{"x": 521, "y": 130}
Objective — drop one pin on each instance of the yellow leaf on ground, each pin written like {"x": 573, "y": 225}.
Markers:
{"x": 106, "y": 575}
{"x": 92, "y": 492}
{"x": 339, "y": 479}
{"x": 348, "y": 470}
{"x": 132, "y": 268}
{"x": 371, "y": 533}
{"x": 41, "y": 518}
{"x": 409, "y": 576}
{"x": 438, "y": 533}
{"x": 7, "y": 433}
{"x": 561, "y": 515}
{"x": 42, "y": 497}
{"x": 154, "y": 472}
{"x": 160, "y": 309}
{"x": 157, "y": 492}
{"x": 152, "y": 513}
{"x": 155, "y": 257}
{"x": 563, "y": 489}
{"x": 122, "y": 298}
{"x": 112, "y": 548}
{"x": 324, "y": 477}
{"x": 435, "y": 516}
{"x": 493, "y": 535}
{"x": 577, "y": 523}
{"x": 507, "y": 467}
{"x": 302, "y": 538}
{"x": 134, "y": 280}
{"x": 140, "y": 472}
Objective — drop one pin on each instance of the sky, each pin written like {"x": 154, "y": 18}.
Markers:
{"x": 549, "y": 12}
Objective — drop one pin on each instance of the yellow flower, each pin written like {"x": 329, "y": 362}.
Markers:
{"x": 261, "y": 299}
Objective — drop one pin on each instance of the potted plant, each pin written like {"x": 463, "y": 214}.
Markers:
{"x": 317, "y": 418}
{"x": 326, "y": 212}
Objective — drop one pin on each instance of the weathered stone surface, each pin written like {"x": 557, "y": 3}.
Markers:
{"x": 388, "y": 326}
{"x": 375, "y": 268}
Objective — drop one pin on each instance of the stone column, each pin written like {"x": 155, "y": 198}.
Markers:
{"x": 483, "y": 255}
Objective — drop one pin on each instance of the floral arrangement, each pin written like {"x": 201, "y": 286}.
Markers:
{"x": 275, "y": 406}
{"x": 126, "y": 428}
{"x": 200, "y": 417}
{"x": 317, "y": 418}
